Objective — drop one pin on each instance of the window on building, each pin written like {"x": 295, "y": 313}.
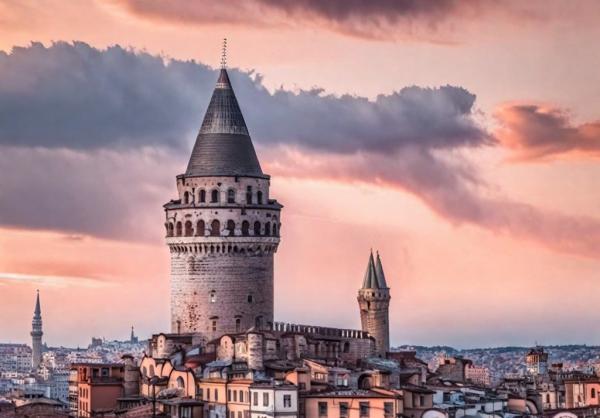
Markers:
{"x": 255, "y": 398}
{"x": 186, "y": 198}
{"x": 189, "y": 229}
{"x": 258, "y": 322}
{"x": 238, "y": 324}
{"x": 257, "y": 228}
{"x": 179, "y": 229}
{"x": 268, "y": 229}
{"x": 230, "y": 196}
{"x": 388, "y": 409}
{"x": 287, "y": 401}
{"x": 202, "y": 196}
{"x": 231, "y": 227}
{"x": 343, "y": 409}
{"x": 239, "y": 414}
{"x": 235, "y": 396}
{"x": 212, "y": 296}
{"x": 346, "y": 347}
{"x": 245, "y": 228}
{"x": 216, "y": 391}
{"x": 249, "y": 195}
{"x": 250, "y": 299}
{"x": 215, "y": 228}
{"x": 214, "y": 196}
{"x": 364, "y": 409}
{"x": 208, "y": 394}
{"x": 229, "y": 395}
{"x": 259, "y": 198}
{"x": 275, "y": 229}
{"x": 170, "y": 229}
{"x": 180, "y": 383}
{"x": 200, "y": 393}
{"x": 421, "y": 400}
{"x": 322, "y": 409}
{"x": 593, "y": 393}
{"x": 265, "y": 398}
{"x": 214, "y": 326}
{"x": 200, "y": 228}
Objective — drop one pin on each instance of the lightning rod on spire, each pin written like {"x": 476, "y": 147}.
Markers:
{"x": 224, "y": 54}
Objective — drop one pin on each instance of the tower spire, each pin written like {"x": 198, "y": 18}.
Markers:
{"x": 36, "y": 334}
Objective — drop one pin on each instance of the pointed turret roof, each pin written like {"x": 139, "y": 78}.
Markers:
{"x": 370, "y": 280}
{"x": 223, "y": 146}
{"x": 380, "y": 275}
{"x": 37, "y": 314}
{"x": 374, "y": 276}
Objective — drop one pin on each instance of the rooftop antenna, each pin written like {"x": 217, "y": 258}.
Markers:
{"x": 224, "y": 54}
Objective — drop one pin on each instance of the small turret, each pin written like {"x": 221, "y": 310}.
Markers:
{"x": 373, "y": 301}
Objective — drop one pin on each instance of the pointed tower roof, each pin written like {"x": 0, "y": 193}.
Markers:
{"x": 380, "y": 275}
{"x": 37, "y": 314}
{"x": 370, "y": 280}
{"x": 223, "y": 146}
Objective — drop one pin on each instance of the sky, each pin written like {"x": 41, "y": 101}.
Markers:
{"x": 459, "y": 139}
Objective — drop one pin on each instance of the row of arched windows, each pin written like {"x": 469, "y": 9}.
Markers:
{"x": 215, "y": 196}
{"x": 214, "y": 229}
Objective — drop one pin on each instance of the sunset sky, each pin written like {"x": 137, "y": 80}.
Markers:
{"x": 460, "y": 139}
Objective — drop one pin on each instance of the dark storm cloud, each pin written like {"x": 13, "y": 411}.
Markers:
{"x": 534, "y": 131}
{"x": 76, "y": 96}
{"x": 431, "y": 20}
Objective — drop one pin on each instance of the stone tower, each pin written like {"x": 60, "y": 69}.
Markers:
{"x": 374, "y": 301}
{"x": 36, "y": 334}
{"x": 223, "y": 230}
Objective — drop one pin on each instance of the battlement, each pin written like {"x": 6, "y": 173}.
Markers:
{"x": 320, "y": 331}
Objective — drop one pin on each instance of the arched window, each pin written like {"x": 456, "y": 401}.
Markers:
{"x": 259, "y": 197}
{"x": 238, "y": 325}
{"x": 170, "y": 229}
{"x": 249, "y": 195}
{"x": 202, "y": 196}
{"x": 593, "y": 393}
{"x": 212, "y": 296}
{"x": 275, "y": 229}
{"x": 200, "y": 228}
{"x": 245, "y": 228}
{"x": 257, "y": 228}
{"x": 231, "y": 227}
{"x": 214, "y": 196}
{"x": 230, "y": 196}
{"x": 179, "y": 229}
{"x": 180, "y": 383}
{"x": 186, "y": 198}
{"x": 268, "y": 229}
{"x": 215, "y": 228}
{"x": 189, "y": 230}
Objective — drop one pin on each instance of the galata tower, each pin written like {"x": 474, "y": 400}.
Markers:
{"x": 373, "y": 302}
{"x": 223, "y": 229}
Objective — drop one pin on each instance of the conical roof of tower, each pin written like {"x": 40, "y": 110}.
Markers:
{"x": 374, "y": 276}
{"x": 38, "y": 310}
{"x": 370, "y": 280}
{"x": 223, "y": 146}
{"x": 380, "y": 275}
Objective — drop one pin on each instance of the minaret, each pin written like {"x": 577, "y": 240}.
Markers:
{"x": 36, "y": 334}
{"x": 223, "y": 229}
{"x": 374, "y": 301}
